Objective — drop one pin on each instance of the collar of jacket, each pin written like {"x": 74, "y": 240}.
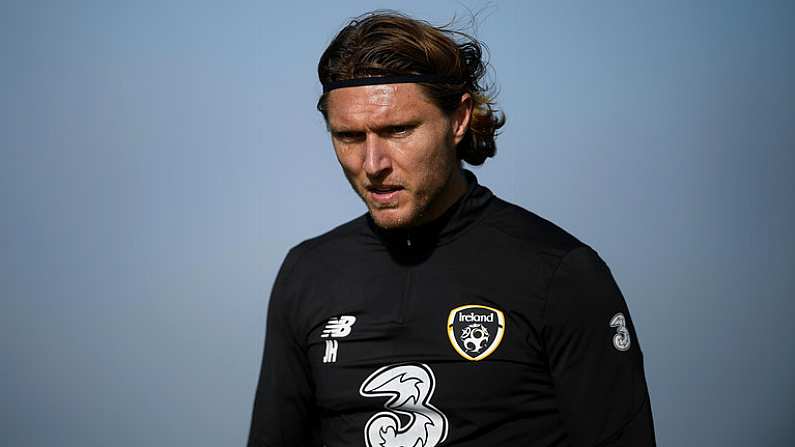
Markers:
{"x": 456, "y": 220}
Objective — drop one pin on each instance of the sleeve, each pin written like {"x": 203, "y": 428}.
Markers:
{"x": 283, "y": 414}
{"x": 594, "y": 356}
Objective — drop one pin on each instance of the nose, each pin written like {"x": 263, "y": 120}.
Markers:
{"x": 376, "y": 156}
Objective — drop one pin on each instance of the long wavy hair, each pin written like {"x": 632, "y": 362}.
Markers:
{"x": 388, "y": 43}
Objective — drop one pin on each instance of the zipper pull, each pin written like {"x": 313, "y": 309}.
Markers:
{"x": 408, "y": 241}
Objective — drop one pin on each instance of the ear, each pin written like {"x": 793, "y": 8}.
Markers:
{"x": 461, "y": 118}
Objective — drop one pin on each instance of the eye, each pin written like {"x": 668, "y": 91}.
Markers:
{"x": 400, "y": 131}
{"x": 348, "y": 137}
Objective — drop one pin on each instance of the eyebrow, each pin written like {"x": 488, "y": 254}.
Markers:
{"x": 411, "y": 123}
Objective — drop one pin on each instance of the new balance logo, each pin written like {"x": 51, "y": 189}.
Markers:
{"x": 338, "y": 327}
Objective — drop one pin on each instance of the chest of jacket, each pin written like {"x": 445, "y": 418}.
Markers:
{"x": 468, "y": 313}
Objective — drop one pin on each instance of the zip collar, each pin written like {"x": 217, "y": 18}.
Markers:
{"x": 453, "y": 222}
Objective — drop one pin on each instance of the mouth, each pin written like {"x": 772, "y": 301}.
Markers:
{"x": 384, "y": 194}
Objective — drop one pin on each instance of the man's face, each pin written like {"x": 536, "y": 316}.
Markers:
{"x": 397, "y": 150}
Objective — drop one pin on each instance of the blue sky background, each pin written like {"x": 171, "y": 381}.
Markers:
{"x": 158, "y": 159}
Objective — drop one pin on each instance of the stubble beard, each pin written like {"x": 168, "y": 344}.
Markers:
{"x": 421, "y": 204}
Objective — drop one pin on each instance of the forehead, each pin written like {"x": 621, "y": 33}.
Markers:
{"x": 376, "y": 105}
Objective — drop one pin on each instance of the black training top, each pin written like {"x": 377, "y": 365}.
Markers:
{"x": 488, "y": 327}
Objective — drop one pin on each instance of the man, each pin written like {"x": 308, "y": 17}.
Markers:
{"x": 444, "y": 315}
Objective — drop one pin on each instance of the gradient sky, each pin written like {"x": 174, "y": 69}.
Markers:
{"x": 158, "y": 159}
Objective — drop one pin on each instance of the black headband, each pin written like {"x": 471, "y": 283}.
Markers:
{"x": 377, "y": 80}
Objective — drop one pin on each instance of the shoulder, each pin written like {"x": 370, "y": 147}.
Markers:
{"x": 330, "y": 245}
{"x": 531, "y": 231}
